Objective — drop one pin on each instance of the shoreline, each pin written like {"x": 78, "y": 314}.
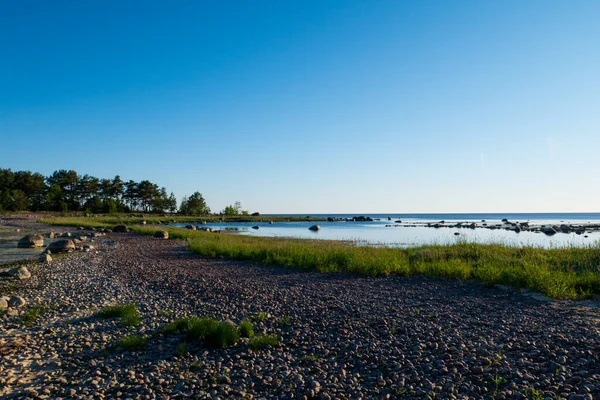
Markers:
{"x": 340, "y": 335}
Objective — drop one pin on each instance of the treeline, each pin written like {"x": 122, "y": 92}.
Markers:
{"x": 69, "y": 191}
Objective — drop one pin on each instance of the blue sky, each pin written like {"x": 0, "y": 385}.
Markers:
{"x": 312, "y": 106}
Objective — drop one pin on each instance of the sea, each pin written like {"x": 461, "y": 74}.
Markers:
{"x": 384, "y": 230}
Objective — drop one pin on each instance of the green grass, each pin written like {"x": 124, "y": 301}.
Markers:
{"x": 201, "y": 328}
{"x": 566, "y": 272}
{"x": 180, "y": 325}
{"x": 32, "y": 314}
{"x": 127, "y": 313}
{"x": 108, "y": 221}
{"x": 263, "y": 341}
{"x": 224, "y": 335}
{"x": 133, "y": 343}
{"x": 246, "y": 329}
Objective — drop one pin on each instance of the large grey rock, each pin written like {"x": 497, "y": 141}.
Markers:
{"x": 161, "y": 234}
{"x": 548, "y": 230}
{"x": 61, "y": 246}
{"x": 30, "y": 241}
{"x": 120, "y": 228}
{"x": 315, "y": 228}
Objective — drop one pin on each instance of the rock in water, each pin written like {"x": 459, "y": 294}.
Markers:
{"x": 315, "y": 228}
{"x": 256, "y": 227}
{"x": 30, "y": 241}
{"x": 61, "y": 246}
{"x": 161, "y": 234}
{"x": 120, "y": 228}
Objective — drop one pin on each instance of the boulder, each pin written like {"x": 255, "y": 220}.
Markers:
{"x": 161, "y": 234}
{"x": 120, "y": 228}
{"x": 20, "y": 273}
{"x": 51, "y": 235}
{"x": 315, "y": 228}
{"x": 3, "y": 303}
{"x": 61, "y": 246}
{"x": 517, "y": 229}
{"x": 256, "y": 214}
{"x": 192, "y": 227}
{"x": 548, "y": 230}
{"x": 66, "y": 234}
{"x": 31, "y": 241}
{"x": 256, "y": 227}
{"x": 16, "y": 301}
{"x": 330, "y": 219}
{"x": 270, "y": 222}
{"x": 45, "y": 258}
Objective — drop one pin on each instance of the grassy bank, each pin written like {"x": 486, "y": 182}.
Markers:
{"x": 136, "y": 219}
{"x": 561, "y": 272}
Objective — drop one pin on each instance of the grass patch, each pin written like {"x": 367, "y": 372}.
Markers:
{"x": 132, "y": 343}
{"x": 259, "y": 317}
{"x": 127, "y": 313}
{"x": 216, "y": 334}
{"x": 567, "y": 272}
{"x": 225, "y": 335}
{"x": 181, "y": 350}
{"x": 263, "y": 341}
{"x": 246, "y": 329}
{"x": 32, "y": 314}
{"x": 180, "y": 325}
{"x": 201, "y": 328}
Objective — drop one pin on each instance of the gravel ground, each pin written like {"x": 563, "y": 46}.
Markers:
{"x": 341, "y": 336}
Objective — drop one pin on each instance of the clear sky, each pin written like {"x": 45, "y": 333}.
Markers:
{"x": 312, "y": 106}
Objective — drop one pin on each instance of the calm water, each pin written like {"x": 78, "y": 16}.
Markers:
{"x": 376, "y": 232}
{"x": 9, "y": 251}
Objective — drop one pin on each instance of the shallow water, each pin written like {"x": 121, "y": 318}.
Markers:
{"x": 377, "y": 233}
{"x": 9, "y": 252}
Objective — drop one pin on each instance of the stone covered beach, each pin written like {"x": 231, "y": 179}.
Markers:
{"x": 340, "y": 336}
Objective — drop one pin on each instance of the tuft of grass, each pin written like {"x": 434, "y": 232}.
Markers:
{"x": 225, "y": 335}
{"x": 127, "y": 313}
{"x": 200, "y": 328}
{"x": 181, "y": 350}
{"x": 32, "y": 314}
{"x": 284, "y": 321}
{"x": 259, "y": 317}
{"x": 263, "y": 341}
{"x": 246, "y": 329}
{"x": 133, "y": 343}
{"x": 180, "y": 325}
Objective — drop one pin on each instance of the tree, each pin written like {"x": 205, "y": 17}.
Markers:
{"x": 235, "y": 209}
{"x": 194, "y": 205}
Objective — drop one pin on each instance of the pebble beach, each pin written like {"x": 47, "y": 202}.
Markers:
{"x": 339, "y": 336}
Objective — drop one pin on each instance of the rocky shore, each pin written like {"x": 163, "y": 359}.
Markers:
{"x": 340, "y": 336}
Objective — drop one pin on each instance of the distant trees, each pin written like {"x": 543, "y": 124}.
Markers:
{"x": 235, "y": 209}
{"x": 67, "y": 190}
{"x": 194, "y": 205}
